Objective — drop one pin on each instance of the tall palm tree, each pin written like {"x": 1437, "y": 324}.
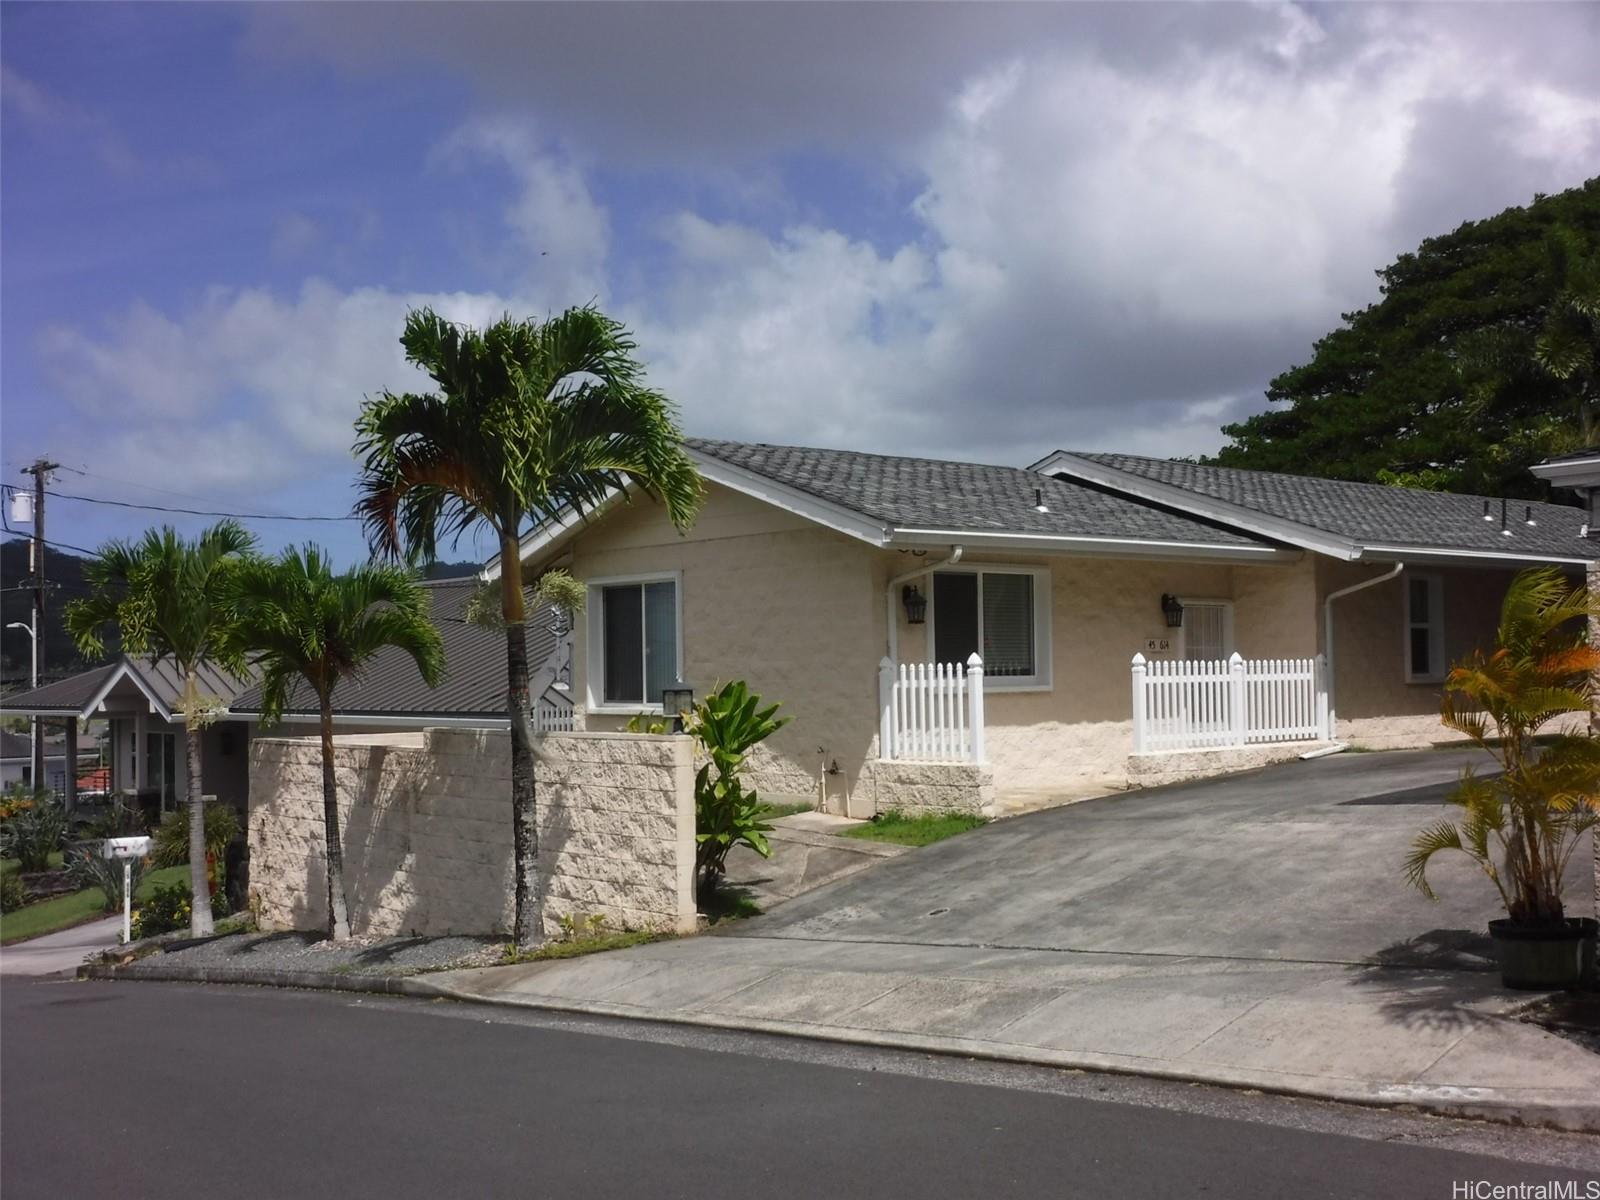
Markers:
{"x": 531, "y": 419}
{"x": 295, "y": 619}
{"x": 168, "y": 597}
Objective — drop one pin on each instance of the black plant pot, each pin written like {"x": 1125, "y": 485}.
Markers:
{"x": 1544, "y": 957}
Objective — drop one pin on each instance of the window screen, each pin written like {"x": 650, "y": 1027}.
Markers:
{"x": 639, "y": 646}
{"x": 955, "y": 617}
{"x": 1007, "y": 624}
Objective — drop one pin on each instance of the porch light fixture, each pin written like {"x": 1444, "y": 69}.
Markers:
{"x": 1173, "y": 610}
{"x": 675, "y": 702}
{"x": 916, "y": 604}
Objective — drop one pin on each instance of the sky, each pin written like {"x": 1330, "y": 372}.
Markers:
{"x": 967, "y": 231}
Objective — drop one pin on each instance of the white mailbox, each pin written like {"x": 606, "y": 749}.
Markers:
{"x": 127, "y": 847}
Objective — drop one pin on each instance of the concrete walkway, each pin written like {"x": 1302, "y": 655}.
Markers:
{"x": 63, "y": 951}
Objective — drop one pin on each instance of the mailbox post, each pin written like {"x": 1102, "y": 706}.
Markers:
{"x": 127, "y": 849}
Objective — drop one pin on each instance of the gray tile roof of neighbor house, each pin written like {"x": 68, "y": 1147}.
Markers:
{"x": 923, "y": 493}
{"x": 474, "y": 683}
{"x": 1371, "y": 513}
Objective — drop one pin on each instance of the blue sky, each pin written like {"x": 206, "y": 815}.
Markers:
{"x": 972, "y": 231}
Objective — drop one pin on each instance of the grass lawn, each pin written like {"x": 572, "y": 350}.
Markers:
{"x": 63, "y": 912}
{"x": 907, "y": 830}
{"x": 8, "y": 865}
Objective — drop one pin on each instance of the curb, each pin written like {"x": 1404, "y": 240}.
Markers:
{"x": 1485, "y": 1104}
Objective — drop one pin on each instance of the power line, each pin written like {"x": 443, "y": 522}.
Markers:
{"x": 193, "y": 512}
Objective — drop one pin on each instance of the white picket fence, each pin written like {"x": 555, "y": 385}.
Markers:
{"x": 931, "y": 712}
{"x": 1182, "y": 705}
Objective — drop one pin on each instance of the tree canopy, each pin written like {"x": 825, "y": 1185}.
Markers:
{"x": 1481, "y": 359}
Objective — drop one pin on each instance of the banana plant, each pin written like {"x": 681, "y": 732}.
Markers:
{"x": 728, "y": 724}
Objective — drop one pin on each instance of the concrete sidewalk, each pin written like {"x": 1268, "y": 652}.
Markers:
{"x": 63, "y": 951}
{"x": 1441, "y": 1040}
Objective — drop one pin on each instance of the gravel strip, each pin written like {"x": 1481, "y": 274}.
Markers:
{"x": 298, "y": 951}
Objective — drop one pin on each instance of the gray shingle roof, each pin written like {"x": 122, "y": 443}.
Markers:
{"x": 67, "y": 695}
{"x": 474, "y": 683}
{"x": 922, "y": 493}
{"x": 1372, "y": 512}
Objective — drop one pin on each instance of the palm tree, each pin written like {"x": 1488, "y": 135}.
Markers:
{"x": 1522, "y": 826}
{"x": 531, "y": 419}
{"x": 168, "y": 597}
{"x": 296, "y": 619}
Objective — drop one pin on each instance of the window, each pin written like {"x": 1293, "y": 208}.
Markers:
{"x": 161, "y": 767}
{"x": 1207, "y": 629}
{"x": 1003, "y": 615}
{"x": 1424, "y": 600}
{"x": 633, "y": 641}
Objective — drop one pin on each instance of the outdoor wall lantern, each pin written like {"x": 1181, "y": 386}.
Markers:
{"x": 1173, "y": 611}
{"x": 916, "y": 604}
{"x": 675, "y": 702}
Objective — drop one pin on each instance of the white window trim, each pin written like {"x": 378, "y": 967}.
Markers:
{"x": 1041, "y": 680}
{"x": 595, "y": 626}
{"x": 1434, "y": 626}
{"x": 1227, "y": 624}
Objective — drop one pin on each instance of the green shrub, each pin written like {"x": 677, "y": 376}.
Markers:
{"x": 167, "y": 908}
{"x": 88, "y": 867}
{"x": 13, "y": 893}
{"x": 169, "y": 846}
{"x": 116, "y": 819}
{"x": 728, "y": 724}
{"x": 34, "y": 831}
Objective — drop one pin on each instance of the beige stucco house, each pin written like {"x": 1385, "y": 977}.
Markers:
{"x": 945, "y": 632}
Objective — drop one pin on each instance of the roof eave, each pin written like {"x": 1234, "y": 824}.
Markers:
{"x": 1086, "y": 545}
{"x": 1248, "y": 520}
{"x": 1570, "y": 473}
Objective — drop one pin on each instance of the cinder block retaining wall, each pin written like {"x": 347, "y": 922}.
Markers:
{"x": 919, "y": 788}
{"x": 426, "y": 824}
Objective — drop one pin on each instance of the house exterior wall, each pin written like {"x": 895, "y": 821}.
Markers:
{"x": 800, "y": 613}
{"x": 427, "y": 831}
{"x": 1374, "y": 705}
{"x": 782, "y": 603}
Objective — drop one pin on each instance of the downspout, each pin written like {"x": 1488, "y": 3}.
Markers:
{"x": 1327, "y": 637}
{"x": 897, "y": 582}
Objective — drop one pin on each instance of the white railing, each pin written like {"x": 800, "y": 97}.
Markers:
{"x": 1237, "y": 702}
{"x": 551, "y": 718}
{"x": 931, "y": 712}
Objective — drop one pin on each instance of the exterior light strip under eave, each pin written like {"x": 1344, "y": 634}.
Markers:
{"x": 1133, "y": 545}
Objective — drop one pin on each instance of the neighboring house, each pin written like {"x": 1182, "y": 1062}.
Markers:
{"x": 855, "y": 588}
{"x": 143, "y": 701}
{"x": 390, "y": 694}
{"x": 16, "y": 762}
{"x": 148, "y": 752}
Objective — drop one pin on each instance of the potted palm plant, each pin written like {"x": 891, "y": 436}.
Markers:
{"x": 1522, "y": 825}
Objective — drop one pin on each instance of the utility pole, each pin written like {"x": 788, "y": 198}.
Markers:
{"x": 40, "y": 470}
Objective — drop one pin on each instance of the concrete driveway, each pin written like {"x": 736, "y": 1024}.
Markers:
{"x": 1299, "y": 862}
{"x": 1254, "y": 931}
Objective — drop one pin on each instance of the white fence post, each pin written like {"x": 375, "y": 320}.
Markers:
{"x": 1138, "y": 703}
{"x": 975, "y": 686}
{"x": 1324, "y": 717}
{"x": 885, "y": 707}
{"x": 1238, "y": 714}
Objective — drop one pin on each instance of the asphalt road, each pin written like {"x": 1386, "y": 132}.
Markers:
{"x": 132, "y": 1089}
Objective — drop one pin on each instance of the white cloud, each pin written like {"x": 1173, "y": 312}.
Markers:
{"x": 1115, "y": 243}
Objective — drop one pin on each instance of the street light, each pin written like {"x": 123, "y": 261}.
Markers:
{"x": 33, "y": 682}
